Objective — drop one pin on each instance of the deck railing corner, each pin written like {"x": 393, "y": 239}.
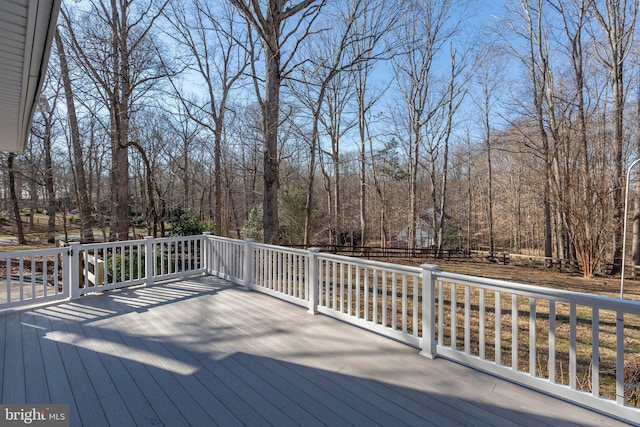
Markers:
{"x": 247, "y": 273}
{"x": 73, "y": 280}
{"x": 312, "y": 280}
{"x": 206, "y": 252}
{"x": 148, "y": 260}
{"x": 428, "y": 343}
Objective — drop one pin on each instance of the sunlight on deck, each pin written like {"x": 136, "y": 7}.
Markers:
{"x": 122, "y": 351}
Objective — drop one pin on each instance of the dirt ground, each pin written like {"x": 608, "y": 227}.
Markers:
{"x": 538, "y": 276}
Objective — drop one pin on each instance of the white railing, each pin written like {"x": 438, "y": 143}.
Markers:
{"x": 176, "y": 256}
{"x": 568, "y": 344}
{"x": 35, "y": 276}
{"x": 104, "y": 266}
{"x": 39, "y": 276}
{"x": 226, "y": 257}
{"x": 274, "y": 270}
{"x": 278, "y": 271}
{"x": 378, "y": 296}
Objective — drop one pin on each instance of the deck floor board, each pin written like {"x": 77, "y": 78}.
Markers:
{"x": 13, "y": 390}
{"x": 137, "y": 405}
{"x": 59, "y": 387}
{"x": 3, "y": 342}
{"x": 35, "y": 377}
{"x": 200, "y": 351}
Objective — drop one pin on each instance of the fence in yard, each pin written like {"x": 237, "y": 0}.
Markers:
{"x": 389, "y": 253}
{"x": 568, "y": 344}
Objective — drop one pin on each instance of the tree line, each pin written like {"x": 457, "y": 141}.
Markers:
{"x": 323, "y": 121}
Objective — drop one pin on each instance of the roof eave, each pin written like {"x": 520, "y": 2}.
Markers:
{"x": 42, "y": 21}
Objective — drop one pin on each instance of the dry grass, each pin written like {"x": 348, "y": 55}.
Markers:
{"x": 538, "y": 276}
{"x": 632, "y": 380}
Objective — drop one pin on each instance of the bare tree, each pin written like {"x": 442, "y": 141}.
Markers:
{"x": 535, "y": 59}
{"x": 46, "y": 107}
{"x": 86, "y": 223}
{"x": 586, "y": 208}
{"x": 336, "y": 122}
{"x": 123, "y": 67}
{"x": 617, "y": 22}
{"x": 376, "y": 20}
{"x": 269, "y": 22}
{"x": 488, "y": 82}
{"x": 351, "y": 45}
{"x": 184, "y": 128}
{"x": 14, "y": 198}
{"x": 217, "y": 48}
{"x": 636, "y": 213}
{"x": 425, "y": 29}
{"x": 455, "y": 94}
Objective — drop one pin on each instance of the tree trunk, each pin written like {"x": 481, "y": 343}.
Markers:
{"x": 337, "y": 223}
{"x": 490, "y": 196}
{"x": 86, "y": 223}
{"x": 636, "y": 211}
{"x": 48, "y": 177}
{"x": 217, "y": 179}
{"x": 363, "y": 189}
{"x": 619, "y": 169}
{"x": 270, "y": 27}
{"x": 308, "y": 211}
{"x": 14, "y": 200}
{"x": 413, "y": 191}
{"x": 362, "y": 157}
{"x": 546, "y": 203}
{"x": 120, "y": 127}
{"x": 271, "y": 224}
{"x": 452, "y": 105}
{"x": 153, "y": 212}
{"x": 120, "y": 187}
{"x": 186, "y": 173}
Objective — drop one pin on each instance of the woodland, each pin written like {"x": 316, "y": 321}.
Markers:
{"x": 310, "y": 122}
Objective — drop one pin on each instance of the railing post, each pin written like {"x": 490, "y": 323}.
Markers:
{"x": 148, "y": 259}
{"x": 205, "y": 252}
{"x": 247, "y": 273}
{"x": 66, "y": 274}
{"x": 620, "y": 358}
{"x": 429, "y": 348}
{"x": 74, "y": 259}
{"x": 312, "y": 280}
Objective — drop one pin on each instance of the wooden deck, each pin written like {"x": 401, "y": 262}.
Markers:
{"x": 203, "y": 352}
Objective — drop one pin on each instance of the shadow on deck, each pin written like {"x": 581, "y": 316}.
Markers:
{"x": 201, "y": 351}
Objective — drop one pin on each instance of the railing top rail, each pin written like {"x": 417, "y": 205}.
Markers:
{"x": 178, "y": 238}
{"x": 365, "y": 262}
{"x": 599, "y": 301}
{"x": 119, "y": 243}
{"x": 225, "y": 239}
{"x": 89, "y": 246}
{"x": 281, "y": 248}
{"x": 34, "y": 252}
